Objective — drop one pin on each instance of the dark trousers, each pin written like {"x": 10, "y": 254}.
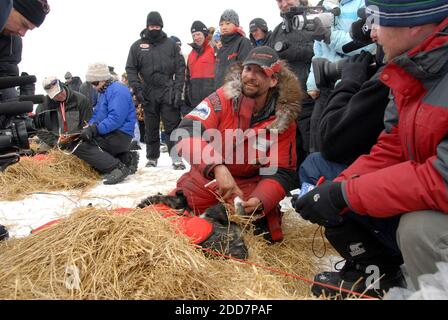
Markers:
{"x": 141, "y": 127}
{"x": 319, "y": 107}
{"x": 303, "y": 131}
{"x": 104, "y": 152}
{"x": 170, "y": 117}
{"x": 316, "y": 166}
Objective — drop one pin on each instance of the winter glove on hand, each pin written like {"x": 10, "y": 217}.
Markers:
{"x": 138, "y": 96}
{"x": 356, "y": 68}
{"x": 177, "y": 101}
{"x": 322, "y": 205}
{"x": 88, "y": 133}
{"x": 321, "y": 32}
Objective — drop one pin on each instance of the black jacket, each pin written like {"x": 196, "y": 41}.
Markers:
{"x": 353, "y": 119}
{"x": 161, "y": 66}
{"x": 235, "y": 48}
{"x": 265, "y": 41}
{"x": 298, "y": 50}
{"x": 10, "y": 55}
{"x": 78, "y": 112}
{"x": 75, "y": 84}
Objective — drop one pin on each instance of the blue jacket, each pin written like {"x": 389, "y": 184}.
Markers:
{"x": 5, "y": 10}
{"x": 340, "y": 35}
{"x": 115, "y": 111}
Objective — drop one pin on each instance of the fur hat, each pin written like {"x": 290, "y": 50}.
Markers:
{"x": 98, "y": 72}
{"x": 154, "y": 19}
{"x": 33, "y": 10}
{"x": 230, "y": 16}
{"x": 404, "y": 13}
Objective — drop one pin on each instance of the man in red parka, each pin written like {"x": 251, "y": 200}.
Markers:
{"x": 240, "y": 141}
{"x": 200, "y": 78}
{"x": 397, "y": 196}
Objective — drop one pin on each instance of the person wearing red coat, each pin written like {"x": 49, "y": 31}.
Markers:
{"x": 240, "y": 141}
{"x": 405, "y": 176}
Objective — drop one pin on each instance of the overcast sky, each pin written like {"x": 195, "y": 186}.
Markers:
{"x": 79, "y": 32}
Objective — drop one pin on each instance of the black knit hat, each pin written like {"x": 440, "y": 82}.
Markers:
{"x": 198, "y": 26}
{"x": 258, "y": 23}
{"x": 154, "y": 19}
{"x": 33, "y": 10}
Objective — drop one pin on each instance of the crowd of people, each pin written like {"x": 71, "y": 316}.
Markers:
{"x": 254, "y": 121}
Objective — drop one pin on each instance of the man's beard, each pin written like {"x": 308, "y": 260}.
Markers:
{"x": 252, "y": 92}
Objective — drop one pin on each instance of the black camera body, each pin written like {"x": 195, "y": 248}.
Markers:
{"x": 306, "y": 18}
{"x": 16, "y": 126}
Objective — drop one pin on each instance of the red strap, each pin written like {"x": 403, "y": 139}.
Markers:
{"x": 64, "y": 117}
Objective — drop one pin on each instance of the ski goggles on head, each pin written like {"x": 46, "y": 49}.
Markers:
{"x": 51, "y": 84}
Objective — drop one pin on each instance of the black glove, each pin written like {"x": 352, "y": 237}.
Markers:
{"x": 88, "y": 133}
{"x": 321, "y": 32}
{"x": 177, "y": 103}
{"x": 322, "y": 205}
{"x": 356, "y": 68}
{"x": 138, "y": 96}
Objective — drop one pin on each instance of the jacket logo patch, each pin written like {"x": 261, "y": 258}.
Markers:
{"x": 144, "y": 46}
{"x": 215, "y": 102}
{"x": 231, "y": 56}
{"x": 202, "y": 111}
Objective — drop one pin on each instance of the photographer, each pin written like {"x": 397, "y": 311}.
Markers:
{"x": 394, "y": 201}
{"x": 73, "y": 110}
{"x": 296, "y": 47}
{"x": 330, "y": 42}
{"x": 25, "y": 15}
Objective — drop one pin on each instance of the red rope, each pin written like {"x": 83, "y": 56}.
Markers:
{"x": 284, "y": 273}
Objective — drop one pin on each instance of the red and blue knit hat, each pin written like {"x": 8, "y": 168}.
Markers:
{"x": 407, "y": 13}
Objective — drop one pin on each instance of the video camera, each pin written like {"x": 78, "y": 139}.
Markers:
{"x": 16, "y": 126}
{"x": 326, "y": 72}
{"x": 306, "y": 18}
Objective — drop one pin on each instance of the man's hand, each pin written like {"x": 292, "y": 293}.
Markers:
{"x": 314, "y": 94}
{"x": 88, "y": 133}
{"x": 356, "y": 68}
{"x": 322, "y": 205}
{"x": 321, "y": 32}
{"x": 252, "y": 205}
{"x": 226, "y": 183}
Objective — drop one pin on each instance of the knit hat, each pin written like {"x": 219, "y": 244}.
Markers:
{"x": 266, "y": 58}
{"x": 406, "y": 13}
{"x": 52, "y": 86}
{"x": 154, "y": 19}
{"x": 68, "y": 76}
{"x": 33, "y": 10}
{"x": 198, "y": 26}
{"x": 230, "y": 16}
{"x": 258, "y": 23}
{"x": 98, "y": 72}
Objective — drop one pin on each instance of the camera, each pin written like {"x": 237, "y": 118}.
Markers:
{"x": 360, "y": 33}
{"x": 16, "y": 126}
{"x": 306, "y": 18}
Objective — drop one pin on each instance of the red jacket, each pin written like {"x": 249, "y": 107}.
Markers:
{"x": 225, "y": 115}
{"x": 200, "y": 79}
{"x": 407, "y": 170}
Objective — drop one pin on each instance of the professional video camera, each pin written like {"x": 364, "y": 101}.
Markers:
{"x": 326, "y": 72}
{"x": 16, "y": 126}
{"x": 306, "y": 18}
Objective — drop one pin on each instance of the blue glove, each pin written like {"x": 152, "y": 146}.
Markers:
{"x": 322, "y": 205}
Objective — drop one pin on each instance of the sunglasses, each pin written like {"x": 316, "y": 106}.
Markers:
{"x": 51, "y": 84}
{"x": 95, "y": 83}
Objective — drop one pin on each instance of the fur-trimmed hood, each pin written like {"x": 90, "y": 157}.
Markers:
{"x": 290, "y": 95}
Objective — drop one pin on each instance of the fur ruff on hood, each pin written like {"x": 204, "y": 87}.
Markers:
{"x": 290, "y": 95}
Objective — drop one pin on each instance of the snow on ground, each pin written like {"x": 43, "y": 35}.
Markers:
{"x": 21, "y": 217}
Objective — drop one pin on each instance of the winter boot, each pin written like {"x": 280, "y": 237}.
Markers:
{"x": 370, "y": 265}
{"x": 178, "y": 165}
{"x": 373, "y": 281}
{"x": 134, "y": 145}
{"x": 130, "y": 159}
{"x": 152, "y": 163}
{"x": 117, "y": 175}
{"x": 4, "y": 234}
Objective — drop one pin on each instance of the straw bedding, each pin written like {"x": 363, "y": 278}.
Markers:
{"x": 60, "y": 172}
{"x": 139, "y": 256}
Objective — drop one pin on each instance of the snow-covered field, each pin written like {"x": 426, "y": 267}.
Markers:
{"x": 20, "y": 217}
